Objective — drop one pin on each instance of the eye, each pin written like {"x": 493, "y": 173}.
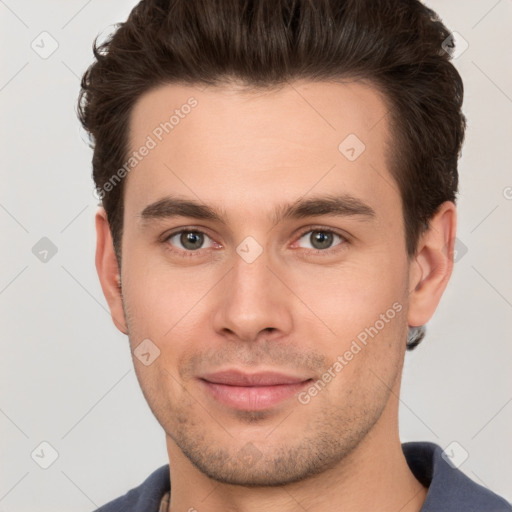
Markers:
{"x": 321, "y": 240}
{"x": 188, "y": 240}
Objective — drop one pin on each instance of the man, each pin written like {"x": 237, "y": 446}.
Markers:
{"x": 278, "y": 184}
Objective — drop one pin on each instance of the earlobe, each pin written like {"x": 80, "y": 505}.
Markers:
{"x": 108, "y": 270}
{"x": 431, "y": 270}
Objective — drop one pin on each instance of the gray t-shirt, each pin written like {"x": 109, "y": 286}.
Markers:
{"x": 449, "y": 490}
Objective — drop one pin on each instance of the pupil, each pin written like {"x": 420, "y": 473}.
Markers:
{"x": 321, "y": 238}
{"x": 190, "y": 239}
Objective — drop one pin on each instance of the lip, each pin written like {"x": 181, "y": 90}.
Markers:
{"x": 251, "y": 391}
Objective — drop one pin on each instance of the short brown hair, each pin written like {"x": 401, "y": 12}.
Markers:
{"x": 396, "y": 45}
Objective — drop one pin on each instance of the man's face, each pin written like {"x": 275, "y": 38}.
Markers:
{"x": 255, "y": 292}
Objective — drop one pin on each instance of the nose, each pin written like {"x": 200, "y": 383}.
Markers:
{"x": 253, "y": 301}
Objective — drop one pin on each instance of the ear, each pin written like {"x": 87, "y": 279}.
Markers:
{"x": 108, "y": 270}
{"x": 432, "y": 267}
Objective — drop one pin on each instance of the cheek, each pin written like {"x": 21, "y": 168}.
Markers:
{"x": 347, "y": 297}
{"x": 364, "y": 305}
{"x": 156, "y": 294}
{"x": 159, "y": 309}
{"x": 365, "y": 358}
{"x": 353, "y": 295}
{"x": 164, "y": 305}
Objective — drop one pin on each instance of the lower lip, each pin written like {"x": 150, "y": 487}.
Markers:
{"x": 252, "y": 398}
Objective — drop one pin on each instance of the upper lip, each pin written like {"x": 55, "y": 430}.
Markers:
{"x": 239, "y": 378}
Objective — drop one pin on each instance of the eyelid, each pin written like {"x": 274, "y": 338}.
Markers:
{"x": 196, "y": 229}
{"x": 345, "y": 238}
{"x": 164, "y": 239}
{"x": 326, "y": 229}
{"x": 176, "y": 231}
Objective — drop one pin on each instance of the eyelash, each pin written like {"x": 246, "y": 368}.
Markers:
{"x": 322, "y": 252}
{"x": 325, "y": 252}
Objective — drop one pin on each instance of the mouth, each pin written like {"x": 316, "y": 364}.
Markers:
{"x": 252, "y": 392}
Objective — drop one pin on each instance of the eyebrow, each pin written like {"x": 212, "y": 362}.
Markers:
{"x": 337, "y": 205}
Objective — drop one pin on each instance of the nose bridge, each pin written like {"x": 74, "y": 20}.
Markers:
{"x": 252, "y": 298}
{"x": 250, "y": 276}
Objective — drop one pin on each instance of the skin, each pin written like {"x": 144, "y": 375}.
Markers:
{"x": 291, "y": 310}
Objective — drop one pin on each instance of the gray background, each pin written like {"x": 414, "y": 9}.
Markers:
{"x": 66, "y": 372}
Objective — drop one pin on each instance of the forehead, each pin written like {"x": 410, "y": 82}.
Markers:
{"x": 226, "y": 145}
{"x": 313, "y": 110}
